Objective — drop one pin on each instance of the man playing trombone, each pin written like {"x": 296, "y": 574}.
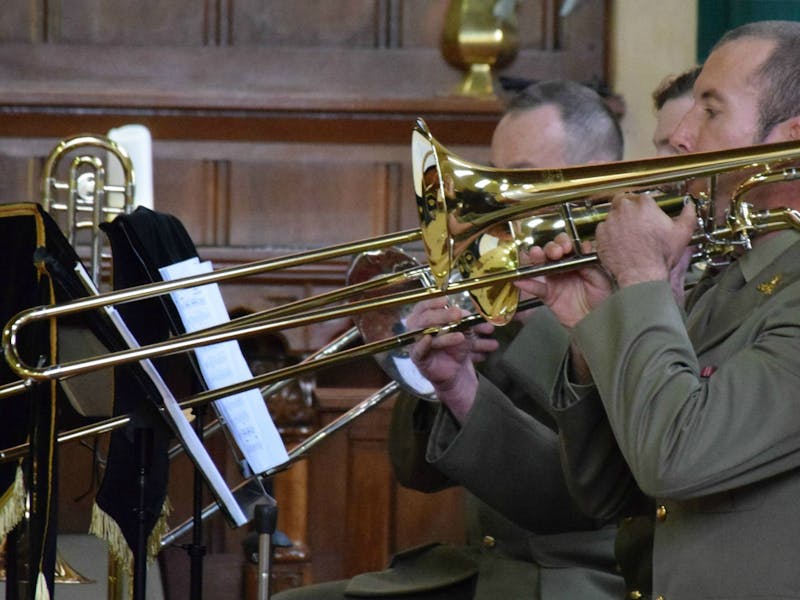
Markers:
{"x": 562, "y": 553}
{"x": 457, "y": 451}
{"x": 698, "y": 410}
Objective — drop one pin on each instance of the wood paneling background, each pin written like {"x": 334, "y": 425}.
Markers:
{"x": 278, "y": 126}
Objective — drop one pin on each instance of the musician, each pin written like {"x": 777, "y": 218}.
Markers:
{"x": 672, "y": 99}
{"x": 699, "y": 410}
{"x": 563, "y": 554}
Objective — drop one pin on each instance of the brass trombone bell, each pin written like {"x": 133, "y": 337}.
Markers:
{"x": 471, "y": 215}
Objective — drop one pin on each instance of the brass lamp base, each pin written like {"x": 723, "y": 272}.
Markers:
{"x": 478, "y": 82}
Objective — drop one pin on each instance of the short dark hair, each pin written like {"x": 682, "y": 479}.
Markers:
{"x": 592, "y": 131}
{"x": 674, "y": 87}
{"x": 779, "y": 74}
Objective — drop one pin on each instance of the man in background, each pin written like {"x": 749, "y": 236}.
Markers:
{"x": 553, "y": 550}
{"x": 672, "y": 99}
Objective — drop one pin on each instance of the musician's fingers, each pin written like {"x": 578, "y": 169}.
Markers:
{"x": 447, "y": 340}
{"x": 432, "y": 316}
{"x": 421, "y": 349}
{"x": 483, "y": 329}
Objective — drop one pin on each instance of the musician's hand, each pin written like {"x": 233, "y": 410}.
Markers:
{"x": 677, "y": 276}
{"x": 570, "y": 294}
{"x": 638, "y": 242}
{"x": 446, "y": 360}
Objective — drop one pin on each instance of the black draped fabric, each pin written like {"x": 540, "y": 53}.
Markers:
{"x": 142, "y": 242}
{"x": 22, "y": 231}
{"x": 38, "y": 267}
{"x": 33, "y": 414}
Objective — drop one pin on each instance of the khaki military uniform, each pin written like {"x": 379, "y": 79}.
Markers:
{"x": 506, "y": 454}
{"x": 704, "y": 416}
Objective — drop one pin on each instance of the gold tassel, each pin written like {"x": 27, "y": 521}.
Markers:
{"x": 42, "y": 593}
{"x": 107, "y": 529}
{"x": 159, "y": 530}
{"x": 12, "y": 504}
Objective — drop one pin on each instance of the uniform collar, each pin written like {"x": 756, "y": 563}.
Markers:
{"x": 766, "y": 251}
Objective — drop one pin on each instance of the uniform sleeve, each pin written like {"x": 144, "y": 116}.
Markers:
{"x": 688, "y": 431}
{"x": 598, "y": 477}
{"x": 411, "y": 424}
{"x": 507, "y": 451}
{"x": 510, "y": 460}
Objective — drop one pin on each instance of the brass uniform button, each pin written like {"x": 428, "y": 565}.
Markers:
{"x": 489, "y": 541}
{"x": 661, "y": 513}
{"x": 660, "y": 598}
{"x": 635, "y": 595}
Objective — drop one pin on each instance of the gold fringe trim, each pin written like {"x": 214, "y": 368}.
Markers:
{"x": 107, "y": 529}
{"x": 42, "y": 593}
{"x": 160, "y": 529}
{"x": 12, "y": 504}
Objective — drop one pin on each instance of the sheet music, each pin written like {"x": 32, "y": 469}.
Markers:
{"x": 245, "y": 414}
{"x": 180, "y": 424}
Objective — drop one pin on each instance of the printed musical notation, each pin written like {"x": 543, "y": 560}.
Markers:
{"x": 244, "y": 414}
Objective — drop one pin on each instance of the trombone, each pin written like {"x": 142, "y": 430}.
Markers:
{"x": 474, "y": 220}
{"x": 88, "y": 189}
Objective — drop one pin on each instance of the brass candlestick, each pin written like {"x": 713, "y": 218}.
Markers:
{"x": 478, "y": 36}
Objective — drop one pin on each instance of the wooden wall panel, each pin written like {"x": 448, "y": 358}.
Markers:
{"x": 16, "y": 179}
{"x": 420, "y": 23}
{"x": 358, "y": 514}
{"x": 369, "y": 498}
{"x": 351, "y": 24}
{"x": 278, "y": 204}
{"x": 115, "y": 22}
{"x": 185, "y": 188}
{"x": 279, "y": 126}
{"x": 20, "y": 21}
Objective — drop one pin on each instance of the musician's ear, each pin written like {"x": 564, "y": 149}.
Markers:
{"x": 785, "y": 131}
{"x": 789, "y": 129}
